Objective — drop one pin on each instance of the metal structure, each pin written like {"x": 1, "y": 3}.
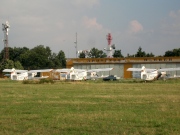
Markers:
{"x": 110, "y": 47}
{"x": 76, "y": 45}
{"x": 5, "y": 29}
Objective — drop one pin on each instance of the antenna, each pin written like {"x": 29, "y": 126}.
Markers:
{"x": 76, "y": 45}
{"x": 5, "y": 29}
{"x": 109, "y": 38}
{"x": 109, "y": 49}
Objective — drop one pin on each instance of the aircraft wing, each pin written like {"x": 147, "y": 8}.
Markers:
{"x": 174, "y": 76}
{"x": 40, "y": 70}
{"x": 99, "y": 70}
{"x": 16, "y": 70}
{"x": 69, "y": 70}
{"x": 134, "y": 69}
{"x": 83, "y": 70}
{"x": 63, "y": 70}
{"x": 169, "y": 69}
{"x": 21, "y": 71}
{"x": 140, "y": 69}
{"x": 80, "y": 70}
{"x": 7, "y": 70}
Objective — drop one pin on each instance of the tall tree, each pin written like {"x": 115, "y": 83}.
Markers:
{"x": 117, "y": 54}
{"x": 62, "y": 58}
{"x": 150, "y": 55}
{"x": 174, "y": 52}
{"x": 9, "y": 64}
{"x": 36, "y": 58}
{"x": 95, "y": 53}
{"x": 14, "y": 53}
{"x": 140, "y": 53}
{"x": 82, "y": 55}
{"x": 54, "y": 62}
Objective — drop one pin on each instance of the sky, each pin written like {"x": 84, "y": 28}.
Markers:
{"x": 153, "y": 25}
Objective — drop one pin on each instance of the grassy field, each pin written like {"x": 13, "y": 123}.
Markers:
{"x": 90, "y": 108}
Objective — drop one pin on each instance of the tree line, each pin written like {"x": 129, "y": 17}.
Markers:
{"x": 95, "y": 53}
{"x": 41, "y": 57}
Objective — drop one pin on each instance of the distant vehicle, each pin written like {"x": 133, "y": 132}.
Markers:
{"x": 111, "y": 77}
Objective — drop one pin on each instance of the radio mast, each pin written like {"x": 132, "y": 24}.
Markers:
{"x": 109, "y": 49}
{"x": 5, "y": 29}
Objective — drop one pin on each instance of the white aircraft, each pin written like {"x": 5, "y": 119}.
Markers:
{"x": 152, "y": 74}
{"x": 17, "y": 74}
{"x": 80, "y": 74}
{"x": 32, "y": 73}
{"x": 25, "y": 74}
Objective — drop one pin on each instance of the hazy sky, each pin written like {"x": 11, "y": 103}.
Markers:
{"x": 152, "y": 24}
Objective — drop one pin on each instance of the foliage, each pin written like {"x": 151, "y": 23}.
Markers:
{"x": 41, "y": 57}
{"x": 82, "y": 55}
{"x": 95, "y": 53}
{"x": 9, "y": 64}
{"x": 117, "y": 54}
{"x": 150, "y": 55}
{"x": 54, "y": 62}
{"x": 35, "y": 58}
{"x": 17, "y": 52}
{"x": 140, "y": 53}
{"x": 61, "y": 57}
{"x": 46, "y": 80}
{"x": 174, "y": 52}
{"x": 41, "y": 81}
{"x": 18, "y": 65}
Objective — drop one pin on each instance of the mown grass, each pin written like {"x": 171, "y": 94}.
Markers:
{"x": 92, "y": 107}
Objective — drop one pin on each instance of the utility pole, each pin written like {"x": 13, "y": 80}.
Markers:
{"x": 76, "y": 44}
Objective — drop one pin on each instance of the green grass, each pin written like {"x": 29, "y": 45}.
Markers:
{"x": 124, "y": 107}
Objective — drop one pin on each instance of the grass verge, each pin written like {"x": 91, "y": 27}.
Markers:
{"x": 90, "y": 107}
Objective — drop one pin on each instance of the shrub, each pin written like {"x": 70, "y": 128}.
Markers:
{"x": 41, "y": 81}
{"x": 46, "y": 80}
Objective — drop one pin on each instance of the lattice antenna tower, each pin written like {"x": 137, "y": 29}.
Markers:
{"x": 5, "y": 29}
{"x": 110, "y": 48}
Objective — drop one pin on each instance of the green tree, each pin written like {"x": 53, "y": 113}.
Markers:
{"x": 54, "y": 62}
{"x": 117, "y": 54}
{"x": 61, "y": 57}
{"x": 9, "y": 64}
{"x": 14, "y": 53}
{"x": 95, "y": 53}
{"x": 82, "y": 55}
{"x": 17, "y": 65}
{"x": 36, "y": 58}
{"x": 150, "y": 55}
{"x": 25, "y": 59}
{"x": 17, "y": 52}
{"x": 140, "y": 53}
{"x": 174, "y": 52}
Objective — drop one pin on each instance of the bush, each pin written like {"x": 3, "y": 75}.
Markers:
{"x": 41, "y": 81}
{"x": 46, "y": 80}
